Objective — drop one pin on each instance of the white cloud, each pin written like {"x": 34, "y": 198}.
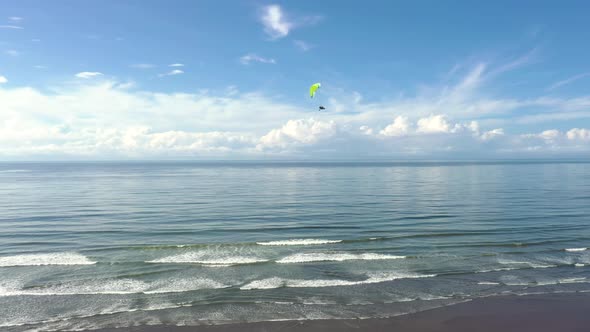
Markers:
{"x": 39, "y": 67}
{"x": 176, "y": 65}
{"x": 295, "y": 132}
{"x": 15, "y": 19}
{"x": 88, "y": 74}
{"x": 489, "y": 135}
{"x": 248, "y": 58}
{"x": 275, "y": 23}
{"x": 12, "y": 52}
{"x": 3, "y": 79}
{"x": 172, "y": 73}
{"x": 304, "y": 46}
{"x": 399, "y": 127}
{"x": 433, "y": 124}
{"x": 14, "y": 27}
{"x": 579, "y": 134}
{"x": 106, "y": 119}
{"x": 142, "y": 65}
{"x": 35, "y": 40}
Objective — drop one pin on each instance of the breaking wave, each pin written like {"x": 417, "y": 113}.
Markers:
{"x": 204, "y": 259}
{"x": 113, "y": 287}
{"x": 298, "y": 242}
{"x": 276, "y": 282}
{"x": 64, "y": 258}
{"x": 333, "y": 257}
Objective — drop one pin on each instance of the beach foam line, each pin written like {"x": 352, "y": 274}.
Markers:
{"x": 63, "y": 258}
{"x": 204, "y": 259}
{"x": 277, "y": 282}
{"x": 116, "y": 287}
{"x": 298, "y": 242}
{"x": 576, "y": 249}
{"x": 334, "y": 257}
{"x": 488, "y": 283}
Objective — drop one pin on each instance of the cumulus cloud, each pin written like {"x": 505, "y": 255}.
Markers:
{"x": 176, "y": 65}
{"x": 3, "y": 79}
{"x": 88, "y": 74}
{"x": 102, "y": 118}
{"x": 399, "y": 127}
{"x": 248, "y": 58}
{"x": 433, "y": 124}
{"x": 578, "y": 134}
{"x": 295, "y": 132}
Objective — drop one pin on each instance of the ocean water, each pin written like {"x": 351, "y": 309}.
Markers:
{"x": 93, "y": 245}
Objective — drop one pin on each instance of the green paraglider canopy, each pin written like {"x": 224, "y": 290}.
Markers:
{"x": 313, "y": 89}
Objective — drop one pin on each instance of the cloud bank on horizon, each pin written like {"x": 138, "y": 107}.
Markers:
{"x": 154, "y": 107}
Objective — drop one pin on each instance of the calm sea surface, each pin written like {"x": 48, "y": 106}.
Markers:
{"x": 89, "y": 245}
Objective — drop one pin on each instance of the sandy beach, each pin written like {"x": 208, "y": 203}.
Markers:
{"x": 539, "y": 313}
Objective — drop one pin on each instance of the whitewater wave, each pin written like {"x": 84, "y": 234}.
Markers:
{"x": 333, "y": 257}
{"x": 579, "y": 265}
{"x": 488, "y": 283}
{"x": 298, "y": 242}
{"x": 562, "y": 281}
{"x": 207, "y": 259}
{"x": 576, "y": 249}
{"x": 276, "y": 282}
{"x": 64, "y": 258}
{"x": 14, "y": 171}
{"x": 116, "y": 287}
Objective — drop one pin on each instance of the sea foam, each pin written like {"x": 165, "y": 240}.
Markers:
{"x": 333, "y": 257}
{"x": 208, "y": 259}
{"x": 64, "y": 258}
{"x": 276, "y": 282}
{"x": 116, "y": 287}
{"x": 576, "y": 249}
{"x": 298, "y": 242}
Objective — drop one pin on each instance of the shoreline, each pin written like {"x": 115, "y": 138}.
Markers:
{"x": 563, "y": 312}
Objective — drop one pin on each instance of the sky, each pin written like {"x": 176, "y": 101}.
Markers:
{"x": 198, "y": 80}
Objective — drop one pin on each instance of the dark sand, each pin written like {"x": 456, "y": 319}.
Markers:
{"x": 538, "y": 313}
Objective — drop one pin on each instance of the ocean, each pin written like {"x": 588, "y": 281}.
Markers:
{"x": 90, "y": 245}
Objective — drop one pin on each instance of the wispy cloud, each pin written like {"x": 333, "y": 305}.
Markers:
{"x": 275, "y": 23}
{"x": 3, "y": 79}
{"x": 88, "y": 74}
{"x": 142, "y": 65}
{"x": 248, "y": 58}
{"x": 12, "y": 52}
{"x": 11, "y": 27}
{"x": 35, "y": 40}
{"x": 39, "y": 67}
{"x": 304, "y": 46}
{"x": 172, "y": 73}
{"x": 15, "y": 19}
{"x": 567, "y": 81}
{"x": 176, "y": 65}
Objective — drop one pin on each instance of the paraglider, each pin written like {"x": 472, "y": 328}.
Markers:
{"x": 313, "y": 90}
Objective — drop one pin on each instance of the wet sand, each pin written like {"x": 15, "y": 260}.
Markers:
{"x": 538, "y": 313}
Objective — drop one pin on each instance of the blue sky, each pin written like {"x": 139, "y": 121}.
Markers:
{"x": 229, "y": 79}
